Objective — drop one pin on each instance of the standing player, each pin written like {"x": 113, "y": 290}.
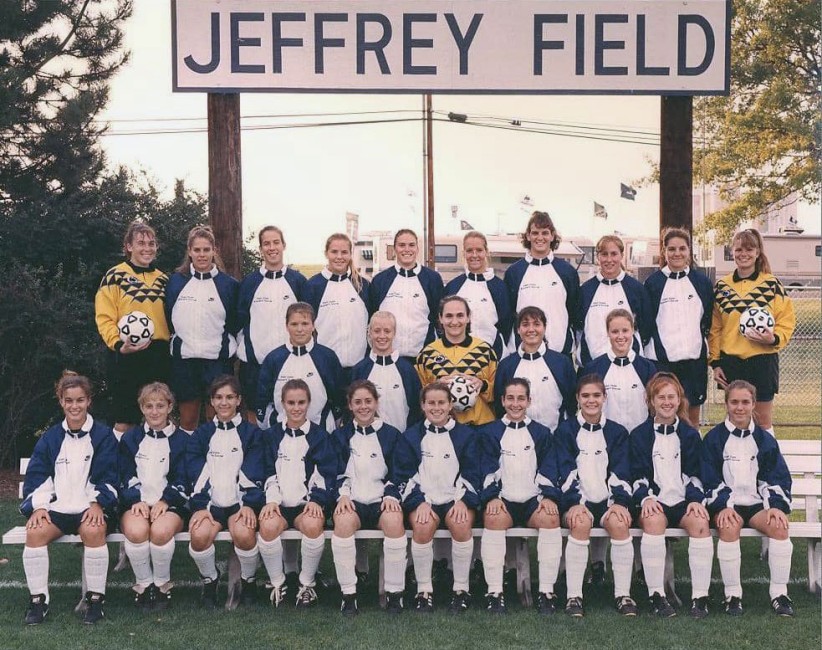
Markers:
{"x": 437, "y": 465}
{"x": 594, "y": 472}
{"x": 748, "y": 484}
{"x": 411, "y": 292}
{"x": 154, "y": 494}
{"x": 518, "y": 467}
{"x": 69, "y": 489}
{"x": 543, "y": 280}
{"x": 368, "y": 498}
{"x": 486, "y": 294}
{"x": 201, "y": 304}
{"x": 133, "y": 285}
{"x": 263, "y": 299}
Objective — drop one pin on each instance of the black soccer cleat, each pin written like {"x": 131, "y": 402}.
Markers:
{"x": 699, "y": 608}
{"x": 626, "y": 606}
{"x": 495, "y": 603}
{"x": 306, "y": 597}
{"x": 393, "y": 602}
{"x": 546, "y": 604}
{"x": 574, "y": 609}
{"x": 37, "y": 610}
{"x": 208, "y": 595}
{"x": 460, "y": 602}
{"x": 248, "y": 592}
{"x": 348, "y": 607}
{"x": 143, "y": 599}
{"x": 160, "y": 600}
{"x": 596, "y": 578}
{"x": 94, "y": 608}
{"x": 783, "y": 606}
{"x": 733, "y": 606}
{"x": 661, "y": 607}
{"x": 424, "y": 602}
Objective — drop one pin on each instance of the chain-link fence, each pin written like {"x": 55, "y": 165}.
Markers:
{"x": 799, "y": 402}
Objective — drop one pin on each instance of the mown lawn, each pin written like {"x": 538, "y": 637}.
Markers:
{"x": 186, "y": 626}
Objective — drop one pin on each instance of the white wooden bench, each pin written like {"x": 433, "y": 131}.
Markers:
{"x": 803, "y": 457}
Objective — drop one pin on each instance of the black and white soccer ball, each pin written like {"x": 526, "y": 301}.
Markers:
{"x": 463, "y": 393}
{"x": 136, "y": 328}
{"x": 756, "y": 318}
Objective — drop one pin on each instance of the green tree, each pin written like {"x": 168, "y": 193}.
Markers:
{"x": 760, "y": 145}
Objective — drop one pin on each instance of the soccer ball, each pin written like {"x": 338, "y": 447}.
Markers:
{"x": 136, "y": 328}
{"x": 463, "y": 393}
{"x": 756, "y": 318}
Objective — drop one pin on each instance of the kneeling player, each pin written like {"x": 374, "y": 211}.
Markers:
{"x": 517, "y": 461}
{"x": 437, "y": 466}
{"x": 594, "y": 472}
{"x": 302, "y": 469}
{"x": 367, "y": 497}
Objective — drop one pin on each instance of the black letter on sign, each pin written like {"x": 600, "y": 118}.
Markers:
{"x": 211, "y": 66}
{"x": 409, "y": 43}
{"x": 377, "y": 46}
{"x": 280, "y": 42}
{"x": 321, "y": 42}
{"x": 641, "y": 69}
{"x": 463, "y": 42}
{"x": 237, "y": 42}
{"x": 600, "y": 44}
{"x": 682, "y": 46}
{"x": 539, "y": 44}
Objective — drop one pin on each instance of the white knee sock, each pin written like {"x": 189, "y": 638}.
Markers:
{"x": 598, "y": 549}
{"x": 493, "y": 558}
{"x": 653, "y": 562}
{"x": 205, "y": 562}
{"x": 36, "y": 566}
{"x": 701, "y": 560}
{"x": 291, "y": 556}
{"x": 139, "y": 556}
{"x": 272, "y": 555}
{"x": 311, "y": 551}
{"x": 779, "y": 562}
{"x": 394, "y": 560}
{"x": 248, "y": 562}
{"x": 161, "y": 555}
{"x": 730, "y": 563}
{"x": 95, "y": 562}
{"x": 622, "y": 561}
{"x": 549, "y": 553}
{"x": 423, "y": 556}
{"x": 461, "y": 553}
{"x": 576, "y": 559}
{"x": 345, "y": 562}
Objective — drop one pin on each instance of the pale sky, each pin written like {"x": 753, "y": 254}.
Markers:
{"x": 306, "y": 179}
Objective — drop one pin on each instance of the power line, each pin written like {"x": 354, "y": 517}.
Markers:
{"x": 118, "y": 120}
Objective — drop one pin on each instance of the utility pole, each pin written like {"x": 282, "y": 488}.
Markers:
{"x": 428, "y": 160}
{"x": 225, "y": 196}
{"x": 676, "y": 154}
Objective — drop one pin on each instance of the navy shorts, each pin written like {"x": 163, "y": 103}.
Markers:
{"x": 128, "y": 373}
{"x": 249, "y": 376}
{"x": 761, "y": 370}
{"x": 221, "y": 515}
{"x": 747, "y": 512}
{"x": 692, "y": 374}
{"x": 290, "y": 514}
{"x": 190, "y": 378}
{"x": 369, "y": 514}
{"x": 521, "y": 512}
{"x": 673, "y": 514}
{"x": 70, "y": 524}
{"x": 598, "y": 510}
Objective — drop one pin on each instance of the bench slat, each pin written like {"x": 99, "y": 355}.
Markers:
{"x": 806, "y": 487}
{"x": 800, "y": 447}
{"x": 804, "y": 464}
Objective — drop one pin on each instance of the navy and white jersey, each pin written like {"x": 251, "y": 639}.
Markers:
{"x": 398, "y": 386}
{"x": 302, "y": 465}
{"x": 366, "y": 461}
{"x": 665, "y": 462}
{"x": 552, "y": 285}
{"x": 680, "y": 305}
{"x": 593, "y": 462}
{"x": 517, "y": 461}
{"x": 625, "y": 379}
{"x": 69, "y": 470}
{"x": 413, "y": 296}
{"x": 744, "y": 467}
{"x": 438, "y": 465}
{"x": 553, "y": 384}
{"x": 315, "y": 364}
{"x": 201, "y": 311}
{"x": 224, "y": 461}
{"x": 153, "y": 466}
{"x": 600, "y": 296}
{"x": 263, "y": 300}
{"x": 491, "y": 314}
{"x": 342, "y": 314}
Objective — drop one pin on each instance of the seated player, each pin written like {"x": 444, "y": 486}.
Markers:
{"x": 154, "y": 494}
{"x": 594, "y": 472}
{"x": 437, "y": 465}
{"x": 301, "y": 358}
{"x": 395, "y": 378}
{"x": 665, "y": 456}
{"x": 367, "y": 497}
{"x": 518, "y": 464}
{"x": 224, "y": 460}
{"x": 69, "y": 490}
{"x": 748, "y": 484}
{"x": 302, "y": 469}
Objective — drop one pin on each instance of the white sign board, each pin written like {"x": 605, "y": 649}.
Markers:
{"x": 452, "y": 46}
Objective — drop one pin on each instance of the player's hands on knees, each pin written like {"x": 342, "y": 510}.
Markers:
{"x": 39, "y": 518}
{"x": 246, "y": 517}
{"x": 651, "y": 507}
{"x": 269, "y": 511}
{"x": 158, "y": 510}
{"x": 579, "y": 515}
{"x": 423, "y": 513}
{"x": 201, "y": 516}
{"x": 495, "y": 507}
{"x": 459, "y": 512}
{"x": 696, "y": 509}
{"x": 93, "y": 516}
{"x": 776, "y": 518}
{"x": 548, "y": 507}
{"x": 313, "y": 509}
{"x": 344, "y": 505}
{"x": 620, "y": 513}
{"x": 390, "y": 504}
{"x": 140, "y": 509}
{"x": 728, "y": 518}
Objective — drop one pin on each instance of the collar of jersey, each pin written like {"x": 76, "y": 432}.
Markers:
{"x": 84, "y": 428}
{"x": 487, "y": 274}
{"x": 631, "y": 355}
{"x": 305, "y": 427}
{"x": 540, "y": 350}
{"x": 506, "y": 420}
{"x": 675, "y": 424}
{"x": 202, "y": 276}
{"x": 141, "y": 269}
{"x": 166, "y": 430}
{"x": 732, "y": 427}
{"x": 447, "y": 426}
{"x": 618, "y": 278}
{"x": 667, "y": 271}
{"x": 550, "y": 257}
{"x": 278, "y": 274}
{"x": 753, "y": 277}
{"x": 581, "y": 420}
{"x": 462, "y": 344}
{"x": 376, "y": 425}
{"x": 236, "y": 420}
{"x": 394, "y": 356}
{"x": 327, "y": 274}
{"x": 308, "y": 346}
{"x": 412, "y": 272}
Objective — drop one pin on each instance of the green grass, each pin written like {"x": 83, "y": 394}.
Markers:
{"x": 185, "y": 625}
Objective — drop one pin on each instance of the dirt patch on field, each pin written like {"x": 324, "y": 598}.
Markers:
{"x": 9, "y": 482}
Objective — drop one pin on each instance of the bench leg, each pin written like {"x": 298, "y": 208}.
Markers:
{"x": 291, "y": 556}
{"x": 80, "y": 608}
{"x": 670, "y": 586}
{"x": 362, "y": 555}
{"x": 815, "y": 566}
{"x": 763, "y": 551}
{"x": 381, "y": 578}
{"x": 122, "y": 559}
{"x": 518, "y": 548}
{"x": 234, "y": 580}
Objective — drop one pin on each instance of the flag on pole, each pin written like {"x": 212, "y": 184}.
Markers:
{"x": 626, "y": 192}
{"x": 600, "y": 211}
